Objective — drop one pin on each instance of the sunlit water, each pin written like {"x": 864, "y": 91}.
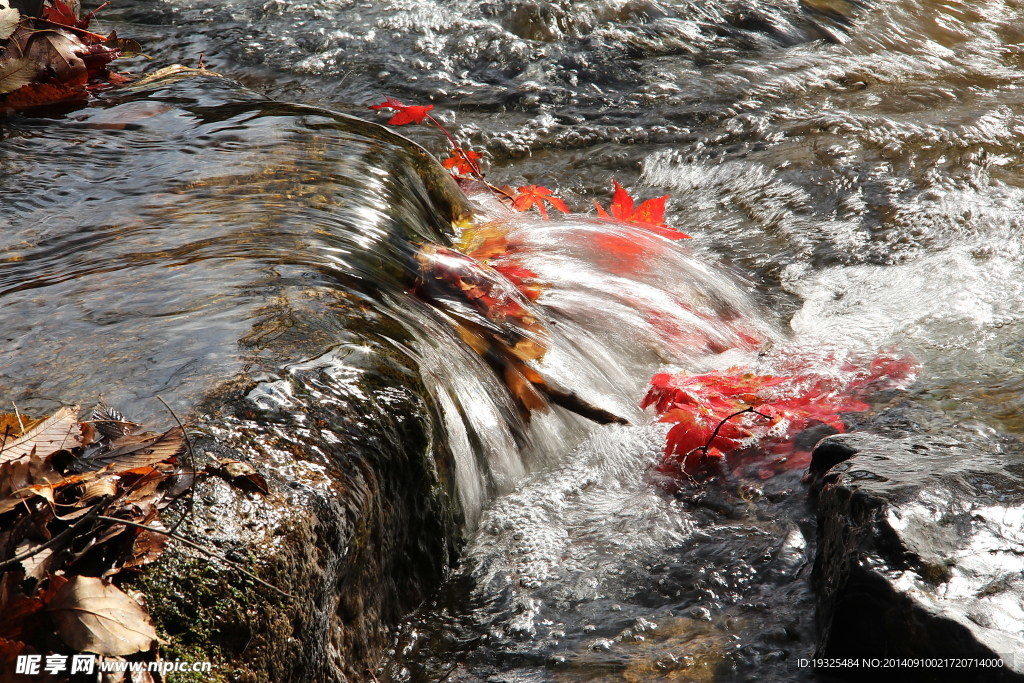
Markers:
{"x": 850, "y": 172}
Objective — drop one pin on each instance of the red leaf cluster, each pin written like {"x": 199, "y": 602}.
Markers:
{"x": 722, "y": 412}
{"x": 489, "y": 243}
{"x": 60, "y": 13}
{"x": 446, "y": 270}
{"x": 525, "y": 280}
{"x": 463, "y": 161}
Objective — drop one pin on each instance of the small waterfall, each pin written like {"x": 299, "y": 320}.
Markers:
{"x": 610, "y": 321}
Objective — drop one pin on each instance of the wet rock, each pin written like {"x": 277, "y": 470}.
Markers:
{"x": 358, "y": 528}
{"x": 247, "y": 262}
{"x": 921, "y": 555}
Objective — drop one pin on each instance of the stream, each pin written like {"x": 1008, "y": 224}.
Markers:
{"x": 850, "y": 172}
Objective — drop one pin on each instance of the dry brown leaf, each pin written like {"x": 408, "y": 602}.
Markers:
{"x": 41, "y": 472}
{"x": 54, "y": 582}
{"x": 57, "y": 51}
{"x": 242, "y": 475}
{"x": 95, "y": 616}
{"x": 104, "y": 486}
{"x": 34, "y": 525}
{"x": 113, "y": 531}
{"x": 12, "y": 426}
{"x": 9, "y": 18}
{"x": 60, "y": 431}
{"x": 44, "y": 491}
{"x": 148, "y": 547}
{"x": 37, "y": 566}
{"x": 126, "y": 46}
{"x": 15, "y": 607}
{"x": 14, "y": 476}
{"x": 180, "y": 482}
{"x": 37, "y": 472}
{"x": 138, "y": 453}
{"x": 146, "y": 488}
{"x": 111, "y": 423}
{"x": 15, "y": 73}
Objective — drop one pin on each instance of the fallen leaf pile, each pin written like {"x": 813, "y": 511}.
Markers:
{"x": 53, "y": 57}
{"x": 64, "y": 483}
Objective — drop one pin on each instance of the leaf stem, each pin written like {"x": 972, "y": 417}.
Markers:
{"x": 473, "y": 166}
{"x": 714, "y": 435}
{"x": 88, "y": 34}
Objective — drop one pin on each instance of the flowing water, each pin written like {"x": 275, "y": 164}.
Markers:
{"x": 850, "y": 172}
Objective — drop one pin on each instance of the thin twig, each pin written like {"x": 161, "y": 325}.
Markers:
{"x": 88, "y": 34}
{"x": 458, "y": 149}
{"x": 192, "y": 464}
{"x": 110, "y": 422}
{"x": 473, "y": 166}
{"x": 17, "y": 414}
{"x": 3, "y": 443}
{"x": 179, "y": 537}
{"x": 498, "y": 190}
{"x": 88, "y": 17}
{"x": 714, "y": 435}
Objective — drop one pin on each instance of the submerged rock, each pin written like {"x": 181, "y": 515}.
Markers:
{"x": 921, "y": 555}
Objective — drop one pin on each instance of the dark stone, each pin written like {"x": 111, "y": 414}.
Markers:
{"x": 920, "y": 555}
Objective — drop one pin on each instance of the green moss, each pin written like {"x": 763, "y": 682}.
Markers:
{"x": 201, "y": 614}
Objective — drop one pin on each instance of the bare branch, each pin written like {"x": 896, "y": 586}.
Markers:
{"x": 191, "y": 544}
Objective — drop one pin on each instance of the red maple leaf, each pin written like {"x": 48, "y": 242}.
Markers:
{"x": 734, "y": 384}
{"x": 521, "y": 277}
{"x": 698, "y": 405}
{"x": 536, "y": 195}
{"x": 96, "y": 58}
{"x": 650, "y": 215}
{"x": 405, "y": 113}
{"x": 61, "y": 13}
{"x": 463, "y": 161}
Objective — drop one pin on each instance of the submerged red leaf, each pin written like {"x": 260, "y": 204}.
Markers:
{"x": 698, "y": 405}
{"x": 523, "y": 278}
